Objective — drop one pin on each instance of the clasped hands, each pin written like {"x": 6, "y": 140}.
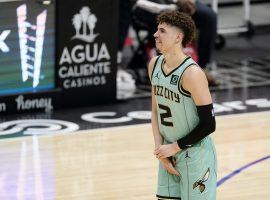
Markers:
{"x": 166, "y": 150}
{"x": 163, "y": 152}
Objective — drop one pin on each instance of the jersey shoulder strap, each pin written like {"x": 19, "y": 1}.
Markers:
{"x": 157, "y": 65}
{"x": 185, "y": 66}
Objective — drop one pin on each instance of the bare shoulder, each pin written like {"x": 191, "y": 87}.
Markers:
{"x": 194, "y": 74}
{"x": 194, "y": 77}
{"x": 194, "y": 81}
{"x": 151, "y": 65}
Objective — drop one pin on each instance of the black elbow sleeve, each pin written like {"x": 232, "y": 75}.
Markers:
{"x": 206, "y": 126}
{"x": 207, "y": 117}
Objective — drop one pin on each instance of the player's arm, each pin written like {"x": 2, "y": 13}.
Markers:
{"x": 158, "y": 139}
{"x": 195, "y": 82}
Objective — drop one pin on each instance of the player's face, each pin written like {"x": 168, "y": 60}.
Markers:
{"x": 166, "y": 37}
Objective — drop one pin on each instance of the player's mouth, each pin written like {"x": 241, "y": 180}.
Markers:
{"x": 158, "y": 41}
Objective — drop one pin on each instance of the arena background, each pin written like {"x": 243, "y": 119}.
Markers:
{"x": 59, "y": 81}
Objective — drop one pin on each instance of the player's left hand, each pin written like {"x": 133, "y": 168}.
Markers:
{"x": 167, "y": 150}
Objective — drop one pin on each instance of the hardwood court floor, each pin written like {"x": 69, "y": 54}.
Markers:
{"x": 118, "y": 164}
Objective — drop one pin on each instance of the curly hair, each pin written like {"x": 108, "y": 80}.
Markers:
{"x": 180, "y": 20}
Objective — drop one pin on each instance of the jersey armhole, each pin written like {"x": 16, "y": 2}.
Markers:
{"x": 151, "y": 77}
{"x": 180, "y": 86}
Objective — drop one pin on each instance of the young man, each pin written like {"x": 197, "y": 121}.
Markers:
{"x": 182, "y": 115}
{"x": 204, "y": 17}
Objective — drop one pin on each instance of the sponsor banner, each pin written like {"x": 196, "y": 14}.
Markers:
{"x": 30, "y": 102}
{"x": 87, "y": 46}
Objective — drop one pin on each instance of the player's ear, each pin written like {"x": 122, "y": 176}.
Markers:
{"x": 180, "y": 36}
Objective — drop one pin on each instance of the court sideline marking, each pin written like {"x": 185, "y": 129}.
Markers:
{"x": 239, "y": 170}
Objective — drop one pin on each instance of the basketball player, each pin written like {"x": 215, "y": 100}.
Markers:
{"x": 182, "y": 115}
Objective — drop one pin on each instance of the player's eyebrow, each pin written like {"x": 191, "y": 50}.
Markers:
{"x": 161, "y": 29}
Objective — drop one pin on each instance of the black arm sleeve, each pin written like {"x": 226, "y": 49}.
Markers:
{"x": 207, "y": 125}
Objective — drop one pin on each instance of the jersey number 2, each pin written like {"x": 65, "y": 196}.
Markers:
{"x": 166, "y": 114}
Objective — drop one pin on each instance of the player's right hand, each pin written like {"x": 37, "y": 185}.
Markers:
{"x": 169, "y": 166}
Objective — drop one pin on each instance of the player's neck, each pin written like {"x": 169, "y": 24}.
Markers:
{"x": 174, "y": 59}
